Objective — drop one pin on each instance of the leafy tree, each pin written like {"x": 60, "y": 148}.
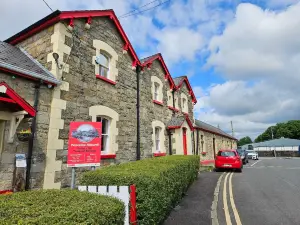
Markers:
{"x": 244, "y": 141}
{"x": 290, "y": 129}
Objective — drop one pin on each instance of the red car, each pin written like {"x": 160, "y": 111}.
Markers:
{"x": 228, "y": 159}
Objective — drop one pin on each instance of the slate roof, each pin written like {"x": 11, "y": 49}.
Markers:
{"x": 19, "y": 60}
{"x": 176, "y": 121}
{"x": 208, "y": 127}
{"x": 177, "y": 80}
{"x": 280, "y": 142}
{"x": 147, "y": 58}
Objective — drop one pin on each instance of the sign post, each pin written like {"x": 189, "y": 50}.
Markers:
{"x": 84, "y": 146}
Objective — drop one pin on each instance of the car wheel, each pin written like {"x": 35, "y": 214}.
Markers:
{"x": 240, "y": 170}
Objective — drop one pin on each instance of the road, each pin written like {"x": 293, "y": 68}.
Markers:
{"x": 266, "y": 192}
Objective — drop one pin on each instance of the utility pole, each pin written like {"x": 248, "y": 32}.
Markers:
{"x": 232, "y": 129}
{"x": 272, "y": 133}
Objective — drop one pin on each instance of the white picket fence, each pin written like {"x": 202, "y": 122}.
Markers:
{"x": 123, "y": 194}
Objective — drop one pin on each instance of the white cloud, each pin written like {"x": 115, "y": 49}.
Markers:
{"x": 258, "y": 53}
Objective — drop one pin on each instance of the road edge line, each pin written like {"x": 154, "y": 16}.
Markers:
{"x": 214, "y": 205}
{"x": 233, "y": 206}
{"x": 225, "y": 203}
{"x": 255, "y": 162}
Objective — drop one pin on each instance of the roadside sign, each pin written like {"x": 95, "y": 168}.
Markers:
{"x": 20, "y": 160}
{"x": 84, "y": 148}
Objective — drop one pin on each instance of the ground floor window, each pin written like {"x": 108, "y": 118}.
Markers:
{"x": 157, "y": 139}
{"x": 105, "y": 132}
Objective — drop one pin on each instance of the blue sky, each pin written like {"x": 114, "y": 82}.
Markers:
{"x": 241, "y": 57}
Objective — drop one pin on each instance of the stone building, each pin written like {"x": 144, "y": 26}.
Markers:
{"x": 210, "y": 139}
{"x": 95, "y": 74}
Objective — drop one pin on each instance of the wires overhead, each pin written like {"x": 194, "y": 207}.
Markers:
{"x": 132, "y": 13}
{"x": 47, "y": 5}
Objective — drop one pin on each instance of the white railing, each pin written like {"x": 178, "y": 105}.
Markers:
{"x": 124, "y": 193}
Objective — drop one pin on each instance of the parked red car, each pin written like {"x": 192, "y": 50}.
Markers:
{"x": 228, "y": 159}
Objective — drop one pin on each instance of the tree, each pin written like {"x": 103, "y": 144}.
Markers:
{"x": 290, "y": 129}
{"x": 244, "y": 141}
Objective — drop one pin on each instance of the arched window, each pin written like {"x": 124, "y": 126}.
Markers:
{"x": 108, "y": 117}
{"x": 157, "y": 139}
{"x": 103, "y": 61}
{"x": 184, "y": 103}
{"x": 157, "y": 89}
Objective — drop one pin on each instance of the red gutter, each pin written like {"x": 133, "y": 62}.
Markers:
{"x": 212, "y": 132}
{"x": 189, "y": 87}
{"x": 24, "y": 75}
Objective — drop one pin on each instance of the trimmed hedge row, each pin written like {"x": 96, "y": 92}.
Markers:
{"x": 160, "y": 183}
{"x": 60, "y": 207}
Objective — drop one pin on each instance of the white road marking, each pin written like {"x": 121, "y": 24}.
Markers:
{"x": 226, "y": 211}
{"x": 214, "y": 206}
{"x": 235, "y": 212}
{"x": 255, "y": 162}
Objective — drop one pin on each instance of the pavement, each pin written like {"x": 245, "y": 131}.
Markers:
{"x": 195, "y": 207}
{"x": 267, "y": 192}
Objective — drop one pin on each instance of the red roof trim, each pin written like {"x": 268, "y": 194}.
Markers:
{"x": 172, "y": 108}
{"x": 160, "y": 58}
{"x": 189, "y": 122}
{"x": 189, "y": 87}
{"x": 34, "y": 30}
{"x": 80, "y": 14}
{"x": 174, "y": 127}
{"x": 18, "y": 100}
{"x": 212, "y": 132}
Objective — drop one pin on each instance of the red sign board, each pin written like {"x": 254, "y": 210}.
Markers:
{"x": 84, "y": 144}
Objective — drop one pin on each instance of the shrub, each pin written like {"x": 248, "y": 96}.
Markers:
{"x": 60, "y": 207}
{"x": 160, "y": 183}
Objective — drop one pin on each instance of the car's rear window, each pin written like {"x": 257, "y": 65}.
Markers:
{"x": 226, "y": 153}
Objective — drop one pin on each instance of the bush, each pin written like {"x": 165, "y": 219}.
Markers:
{"x": 160, "y": 183}
{"x": 60, "y": 207}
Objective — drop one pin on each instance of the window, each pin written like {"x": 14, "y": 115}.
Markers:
{"x": 105, "y": 133}
{"x": 226, "y": 154}
{"x": 103, "y": 61}
{"x": 157, "y": 139}
{"x": 183, "y": 104}
{"x": 156, "y": 91}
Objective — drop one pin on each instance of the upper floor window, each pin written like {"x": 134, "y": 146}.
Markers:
{"x": 105, "y": 133}
{"x": 184, "y": 103}
{"x": 157, "y": 90}
{"x": 103, "y": 61}
{"x": 170, "y": 99}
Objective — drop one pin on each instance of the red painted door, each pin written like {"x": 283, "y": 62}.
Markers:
{"x": 184, "y": 141}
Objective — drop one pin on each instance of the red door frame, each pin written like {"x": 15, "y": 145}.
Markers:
{"x": 184, "y": 141}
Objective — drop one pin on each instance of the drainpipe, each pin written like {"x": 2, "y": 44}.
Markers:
{"x": 138, "y": 147}
{"x": 170, "y": 141}
{"x": 197, "y": 152}
{"x": 33, "y": 130}
{"x": 173, "y": 95}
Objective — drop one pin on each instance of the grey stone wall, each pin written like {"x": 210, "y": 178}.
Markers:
{"x": 207, "y": 138}
{"x": 151, "y": 111}
{"x": 86, "y": 91}
{"x": 25, "y": 88}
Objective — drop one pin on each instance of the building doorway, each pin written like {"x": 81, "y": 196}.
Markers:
{"x": 184, "y": 141}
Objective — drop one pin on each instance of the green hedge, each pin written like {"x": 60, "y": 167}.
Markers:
{"x": 60, "y": 207}
{"x": 160, "y": 183}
